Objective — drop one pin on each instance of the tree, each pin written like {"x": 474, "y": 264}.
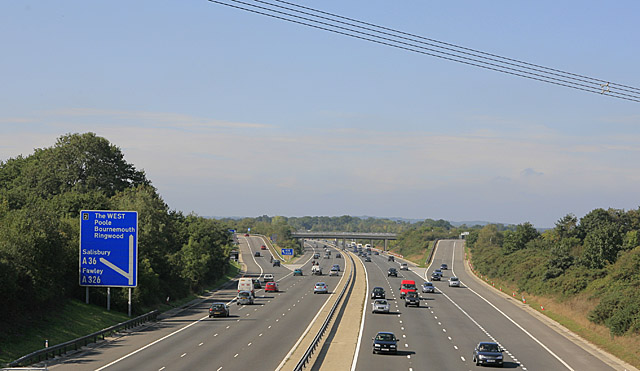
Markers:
{"x": 561, "y": 258}
{"x": 567, "y": 226}
{"x": 601, "y": 245}
{"x": 514, "y": 241}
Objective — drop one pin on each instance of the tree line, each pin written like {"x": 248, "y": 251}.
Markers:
{"x": 41, "y": 196}
{"x": 596, "y": 258}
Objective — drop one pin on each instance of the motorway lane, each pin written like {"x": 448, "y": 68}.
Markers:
{"x": 245, "y": 340}
{"x": 422, "y": 342}
{"x": 442, "y": 333}
{"x": 540, "y": 347}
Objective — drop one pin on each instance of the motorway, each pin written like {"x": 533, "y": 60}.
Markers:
{"x": 442, "y": 333}
{"x": 255, "y": 336}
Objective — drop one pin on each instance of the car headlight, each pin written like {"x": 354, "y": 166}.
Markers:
{"x": 392, "y": 346}
{"x": 377, "y": 345}
{"x": 482, "y": 356}
{"x": 499, "y": 357}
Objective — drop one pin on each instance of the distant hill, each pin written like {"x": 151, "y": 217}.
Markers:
{"x": 472, "y": 223}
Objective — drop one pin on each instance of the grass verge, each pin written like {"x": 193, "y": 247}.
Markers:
{"x": 572, "y": 314}
{"x": 415, "y": 254}
{"x": 75, "y": 319}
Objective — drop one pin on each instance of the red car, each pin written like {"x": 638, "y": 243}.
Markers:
{"x": 263, "y": 247}
{"x": 246, "y": 234}
{"x": 271, "y": 286}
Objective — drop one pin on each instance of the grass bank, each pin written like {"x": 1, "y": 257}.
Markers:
{"x": 75, "y": 319}
{"x": 417, "y": 254}
{"x": 572, "y": 313}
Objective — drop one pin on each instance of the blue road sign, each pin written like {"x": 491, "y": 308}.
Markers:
{"x": 108, "y": 248}
{"x": 287, "y": 251}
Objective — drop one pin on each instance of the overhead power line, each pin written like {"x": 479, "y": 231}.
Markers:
{"x": 389, "y": 37}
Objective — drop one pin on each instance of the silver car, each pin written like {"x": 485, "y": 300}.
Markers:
{"x": 321, "y": 288}
{"x": 428, "y": 287}
{"x": 244, "y": 298}
{"x": 454, "y": 282}
{"x": 380, "y": 306}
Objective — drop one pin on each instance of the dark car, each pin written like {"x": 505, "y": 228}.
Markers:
{"x": 338, "y": 256}
{"x": 367, "y": 259}
{"x": 378, "y": 293}
{"x": 297, "y": 272}
{"x": 411, "y": 298}
{"x": 392, "y": 272}
{"x": 218, "y": 310}
{"x": 487, "y": 353}
{"x": 257, "y": 253}
{"x": 385, "y": 342}
{"x": 439, "y": 271}
{"x": 435, "y": 276}
{"x": 390, "y": 258}
{"x": 276, "y": 263}
{"x": 444, "y": 267}
{"x": 428, "y": 287}
{"x": 376, "y": 253}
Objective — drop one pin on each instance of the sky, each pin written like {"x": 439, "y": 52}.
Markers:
{"x": 232, "y": 113}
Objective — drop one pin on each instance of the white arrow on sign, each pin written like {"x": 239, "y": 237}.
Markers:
{"x": 127, "y": 275}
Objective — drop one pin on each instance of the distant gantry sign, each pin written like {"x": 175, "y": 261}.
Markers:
{"x": 108, "y": 248}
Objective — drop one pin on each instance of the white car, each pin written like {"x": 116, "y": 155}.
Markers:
{"x": 454, "y": 282}
{"x": 333, "y": 272}
{"x": 268, "y": 277}
{"x": 380, "y": 306}
{"x": 404, "y": 267}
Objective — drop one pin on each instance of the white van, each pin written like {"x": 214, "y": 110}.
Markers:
{"x": 246, "y": 284}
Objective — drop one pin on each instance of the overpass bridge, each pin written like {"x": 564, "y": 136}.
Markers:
{"x": 344, "y": 236}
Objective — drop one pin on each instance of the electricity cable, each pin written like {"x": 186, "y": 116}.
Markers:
{"x": 522, "y": 71}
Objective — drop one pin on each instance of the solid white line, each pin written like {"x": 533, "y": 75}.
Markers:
{"x": 150, "y": 344}
{"x": 286, "y": 358}
{"x": 254, "y": 258}
{"x": 354, "y": 362}
{"x": 514, "y": 322}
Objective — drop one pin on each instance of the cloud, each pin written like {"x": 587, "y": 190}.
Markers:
{"x": 158, "y": 119}
{"x": 191, "y": 158}
{"x": 529, "y": 172}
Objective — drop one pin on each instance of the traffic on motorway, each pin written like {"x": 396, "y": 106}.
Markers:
{"x": 232, "y": 326}
{"x": 412, "y": 318}
{"x": 429, "y": 318}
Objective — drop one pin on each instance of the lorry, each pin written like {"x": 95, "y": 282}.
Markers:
{"x": 246, "y": 284}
